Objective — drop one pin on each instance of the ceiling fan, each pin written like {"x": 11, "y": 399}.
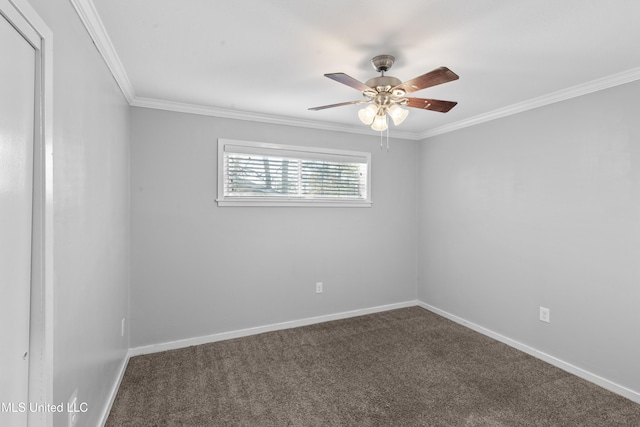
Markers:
{"x": 386, "y": 94}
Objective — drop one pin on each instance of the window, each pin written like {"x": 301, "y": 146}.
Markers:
{"x": 260, "y": 174}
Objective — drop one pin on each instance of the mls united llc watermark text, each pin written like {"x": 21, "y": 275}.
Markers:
{"x": 21, "y": 407}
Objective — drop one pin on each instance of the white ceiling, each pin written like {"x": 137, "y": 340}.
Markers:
{"x": 265, "y": 59}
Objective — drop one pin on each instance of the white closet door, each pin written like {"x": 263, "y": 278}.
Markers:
{"x": 17, "y": 103}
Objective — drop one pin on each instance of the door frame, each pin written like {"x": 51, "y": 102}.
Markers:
{"x": 27, "y": 21}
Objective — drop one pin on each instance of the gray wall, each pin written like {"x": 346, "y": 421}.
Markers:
{"x": 200, "y": 269}
{"x": 91, "y": 216}
{"x": 540, "y": 208}
{"x": 537, "y": 209}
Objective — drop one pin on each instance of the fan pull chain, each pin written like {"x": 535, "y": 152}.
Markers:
{"x": 381, "y": 132}
{"x": 387, "y": 139}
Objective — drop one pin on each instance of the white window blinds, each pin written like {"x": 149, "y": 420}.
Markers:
{"x": 268, "y": 174}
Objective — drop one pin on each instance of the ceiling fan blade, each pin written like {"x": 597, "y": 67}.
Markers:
{"x": 348, "y": 80}
{"x": 432, "y": 78}
{"x": 362, "y": 101}
{"x": 431, "y": 104}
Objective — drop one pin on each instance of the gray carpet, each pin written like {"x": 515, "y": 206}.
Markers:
{"x": 406, "y": 367}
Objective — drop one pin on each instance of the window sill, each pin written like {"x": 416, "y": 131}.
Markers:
{"x": 296, "y": 202}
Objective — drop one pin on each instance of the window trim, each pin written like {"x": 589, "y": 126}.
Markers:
{"x": 289, "y": 201}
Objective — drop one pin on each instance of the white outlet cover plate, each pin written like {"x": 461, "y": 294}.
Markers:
{"x": 545, "y": 314}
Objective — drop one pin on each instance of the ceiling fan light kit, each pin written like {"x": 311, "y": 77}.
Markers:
{"x": 386, "y": 94}
{"x": 397, "y": 114}
{"x": 368, "y": 113}
{"x": 380, "y": 122}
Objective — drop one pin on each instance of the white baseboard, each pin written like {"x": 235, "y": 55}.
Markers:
{"x": 579, "y": 372}
{"x": 173, "y": 345}
{"x": 114, "y": 391}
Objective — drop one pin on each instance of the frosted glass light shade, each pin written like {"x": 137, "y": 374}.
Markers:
{"x": 380, "y": 122}
{"x": 367, "y": 114}
{"x": 397, "y": 114}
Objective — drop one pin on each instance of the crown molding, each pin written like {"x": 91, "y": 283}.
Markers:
{"x": 88, "y": 14}
{"x": 561, "y": 95}
{"x": 260, "y": 117}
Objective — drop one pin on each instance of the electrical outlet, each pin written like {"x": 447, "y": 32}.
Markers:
{"x": 72, "y": 411}
{"x": 545, "y": 315}
{"x": 319, "y": 288}
{"x": 122, "y": 327}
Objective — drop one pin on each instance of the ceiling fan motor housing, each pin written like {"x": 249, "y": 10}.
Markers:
{"x": 383, "y": 92}
{"x": 383, "y": 81}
